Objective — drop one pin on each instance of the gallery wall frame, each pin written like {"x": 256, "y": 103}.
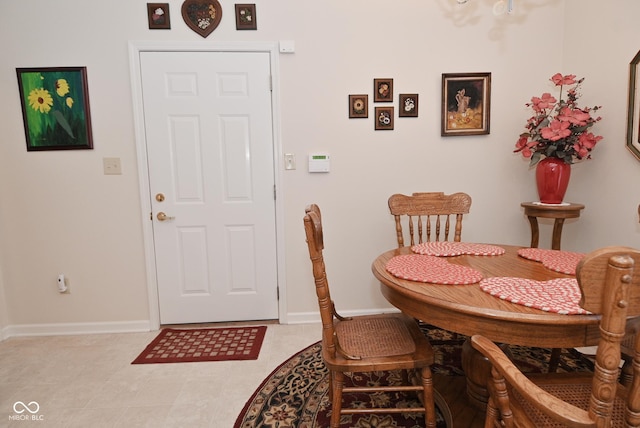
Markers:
{"x": 55, "y": 108}
{"x": 384, "y": 118}
{"x": 382, "y": 90}
{"x": 358, "y": 106}
{"x": 633, "y": 113}
{"x": 408, "y": 105}
{"x": 158, "y": 16}
{"x": 202, "y": 16}
{"x": 466, "y": 104}
{"x": 246, "y": 16}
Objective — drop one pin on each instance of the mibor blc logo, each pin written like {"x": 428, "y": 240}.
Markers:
{"x": 26, "y": 412}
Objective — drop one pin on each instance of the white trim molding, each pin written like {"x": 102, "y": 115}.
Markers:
{"x": 61, "y": 329}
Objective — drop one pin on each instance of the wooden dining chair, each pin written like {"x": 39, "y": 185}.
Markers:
{"x": 368, "y": 343}
{"x": 432, "y": 213}
{"x": 609, "y": 279}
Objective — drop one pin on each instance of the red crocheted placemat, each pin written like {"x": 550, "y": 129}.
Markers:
{"x": 556, "y": 260}
{"x": 420, "y": 268}
{"x": 447, "y": 248}
{"x": 561, "y": 295}
{"x": 203, "y": 344}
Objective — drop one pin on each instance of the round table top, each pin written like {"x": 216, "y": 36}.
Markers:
{"x": 466, "y": 309}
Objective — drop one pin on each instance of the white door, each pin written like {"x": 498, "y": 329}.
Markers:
{"x": 208, "y": 126}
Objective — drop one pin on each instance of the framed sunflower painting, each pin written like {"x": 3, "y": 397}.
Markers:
{"x": 55, "y": 108}
{"x": 358, "y": 106}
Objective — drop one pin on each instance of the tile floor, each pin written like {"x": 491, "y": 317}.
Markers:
{"x": 88, "y": 381}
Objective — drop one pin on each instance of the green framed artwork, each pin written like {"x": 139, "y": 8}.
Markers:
{"x": 55, "y": 108}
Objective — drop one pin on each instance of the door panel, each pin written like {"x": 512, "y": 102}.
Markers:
{"x": 208, "y": 126}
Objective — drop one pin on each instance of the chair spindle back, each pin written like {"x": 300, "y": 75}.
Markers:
{"x": 428, "y": 210}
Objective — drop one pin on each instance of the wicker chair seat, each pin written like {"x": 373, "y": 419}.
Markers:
{"x": 576, "y": 394}
{"x": 391, "y": 333}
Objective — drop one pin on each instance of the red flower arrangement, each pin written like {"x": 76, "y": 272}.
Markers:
{"x": 559, "y": 129}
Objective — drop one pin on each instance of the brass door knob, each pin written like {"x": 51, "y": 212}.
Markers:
{"x": 162, "y": 216}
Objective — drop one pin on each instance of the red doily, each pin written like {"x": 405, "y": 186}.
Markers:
{"x": 561, "y": 295}
{"x": 422, "y": 268}
{"x": 447, "y": 248}
{"x": 559, "y": 261}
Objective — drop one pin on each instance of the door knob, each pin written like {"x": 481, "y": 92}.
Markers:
{"x": 162, "y": 216}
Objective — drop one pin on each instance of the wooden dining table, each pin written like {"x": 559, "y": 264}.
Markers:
{"x": 468, "y": 310}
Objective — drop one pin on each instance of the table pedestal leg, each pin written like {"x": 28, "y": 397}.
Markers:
{"x": 557, "y": 233}
{"x": 477, "y": 370}
{"x": 535, "y": 233}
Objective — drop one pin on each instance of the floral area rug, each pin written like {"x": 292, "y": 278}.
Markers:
{"x": 448, "y": 349}
{"x": 296, "y": 393}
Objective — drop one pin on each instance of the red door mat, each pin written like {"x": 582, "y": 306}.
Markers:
{"x": 203, "y": 344}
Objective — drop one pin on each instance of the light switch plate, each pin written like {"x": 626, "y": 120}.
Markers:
{"x": 289, "y": 161}
{"x": 112, "y": 166}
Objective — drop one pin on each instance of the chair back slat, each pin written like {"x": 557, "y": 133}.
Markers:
{"x": 609, "y": 279}
{"x": 315, "y": 242}
{"x": 592, "y": 277}
{"x": 429, "y": 210}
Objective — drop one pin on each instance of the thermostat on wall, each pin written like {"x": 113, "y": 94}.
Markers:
{"x": 319, "y": 162}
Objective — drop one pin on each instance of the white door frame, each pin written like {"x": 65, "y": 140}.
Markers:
{"x": 135, "y": 47}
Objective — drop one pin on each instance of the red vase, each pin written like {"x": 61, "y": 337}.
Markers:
{"x": 552, "y": 178}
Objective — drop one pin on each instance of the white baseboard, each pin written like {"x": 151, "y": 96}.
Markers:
{"x": 61, "y": 329}
{"x": 74, "y": 328}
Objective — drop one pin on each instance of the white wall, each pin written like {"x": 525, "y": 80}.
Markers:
{"x": 59, "y": 213}
{"x": 593, "y": 49}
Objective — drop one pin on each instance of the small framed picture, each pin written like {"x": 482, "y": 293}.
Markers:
{"x": 246, "y": 17}
{"x": 158, "y": 14}
{"x": 382, "y": 90}
{"x": 202, "y": 16}
{"x": 466, "y": 103}
{"x": 384, "y": 118}
{"x": 55, "y": 108}
{"x": 633, "y": 113}
{"x": 358, "y": 106}
{"x": 408, "y": 105}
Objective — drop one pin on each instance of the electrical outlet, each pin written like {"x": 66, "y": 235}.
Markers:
{"x": 111, "y": 166}
{"x": 62, "y": 284}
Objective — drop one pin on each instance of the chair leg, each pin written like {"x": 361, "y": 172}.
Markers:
{"x": 626, "y": 374}
{"x": 428, "y": 399}
{"x": 407, "y": 375}
{"x": 554, "y": 359}
{"x": 336, "y": 401}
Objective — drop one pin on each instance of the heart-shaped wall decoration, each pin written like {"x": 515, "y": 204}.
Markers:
{"x": 202, "y": 16}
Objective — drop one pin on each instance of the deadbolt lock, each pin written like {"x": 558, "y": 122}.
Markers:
{"x": 160, "y": 197}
